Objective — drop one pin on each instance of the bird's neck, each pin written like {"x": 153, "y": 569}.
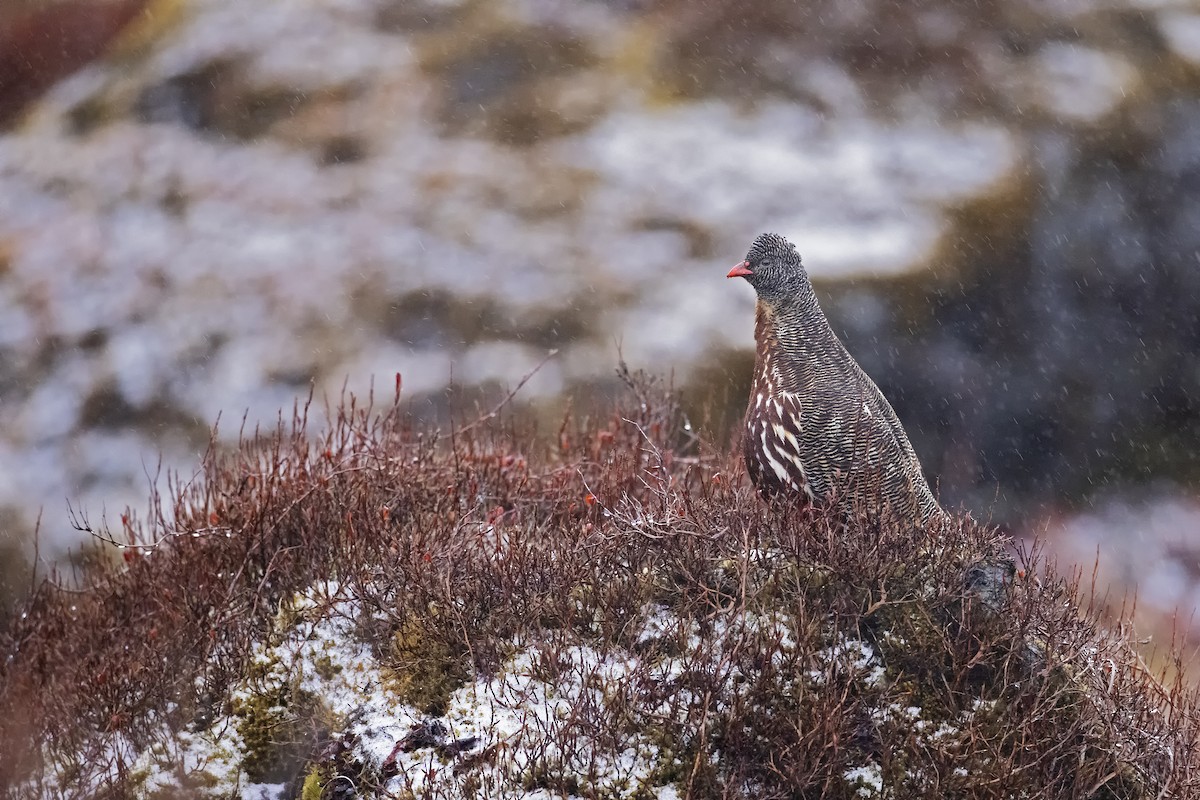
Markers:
{"x": 794, "y": 340}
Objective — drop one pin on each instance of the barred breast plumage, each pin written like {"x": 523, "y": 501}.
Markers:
{"x": 816, "y": 425}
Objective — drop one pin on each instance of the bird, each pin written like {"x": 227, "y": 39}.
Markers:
{"x": 817, "y": 428}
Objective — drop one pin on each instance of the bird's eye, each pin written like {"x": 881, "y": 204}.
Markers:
{"x": 766, "y": 262}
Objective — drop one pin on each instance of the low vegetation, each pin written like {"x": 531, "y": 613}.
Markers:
{"x": 603, "y": 611}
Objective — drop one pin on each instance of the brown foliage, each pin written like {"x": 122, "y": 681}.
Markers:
{"x": 465, "y": 542}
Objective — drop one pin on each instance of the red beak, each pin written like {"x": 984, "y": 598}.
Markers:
{"x": 742, "y": 270}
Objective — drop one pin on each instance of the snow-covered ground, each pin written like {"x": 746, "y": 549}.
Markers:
{"x": 498, "y": 732}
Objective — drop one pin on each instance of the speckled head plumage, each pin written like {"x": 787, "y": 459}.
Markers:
{"x": 773, "y": 268}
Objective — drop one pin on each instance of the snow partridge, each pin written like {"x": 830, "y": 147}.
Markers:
{"x": 817, "y": 426}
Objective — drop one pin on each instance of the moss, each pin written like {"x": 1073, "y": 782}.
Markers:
{"x": 425, "y": 670}
{"x": 258, "y": 717}
{"x": 325, "y": 667}
{"x": 314, "y": 784}
{"x": 277, "y": 727}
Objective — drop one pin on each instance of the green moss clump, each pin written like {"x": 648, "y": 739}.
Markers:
{"x": 258, "y": 717}
{"x": 425, "y": 669}
{"x": 325, "y": 667}
{"x": 314, "y": 784}
{"x": 278, "y": 728}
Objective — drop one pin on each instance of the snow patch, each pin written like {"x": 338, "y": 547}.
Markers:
{"x": 867, "y": 780}
{"x": 1077, "y": 83}
{"x": 856, "y": 655}
{"x": 1181, "y": 29}
{"x": 855, "y": 196}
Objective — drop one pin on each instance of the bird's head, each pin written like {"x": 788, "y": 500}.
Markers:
{"x": 773, "y": 268}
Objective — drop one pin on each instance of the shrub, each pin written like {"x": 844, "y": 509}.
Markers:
{"x": 611, "y": 613}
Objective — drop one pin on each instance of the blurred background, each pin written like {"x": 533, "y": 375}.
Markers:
{"x": 209, "y": 206}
